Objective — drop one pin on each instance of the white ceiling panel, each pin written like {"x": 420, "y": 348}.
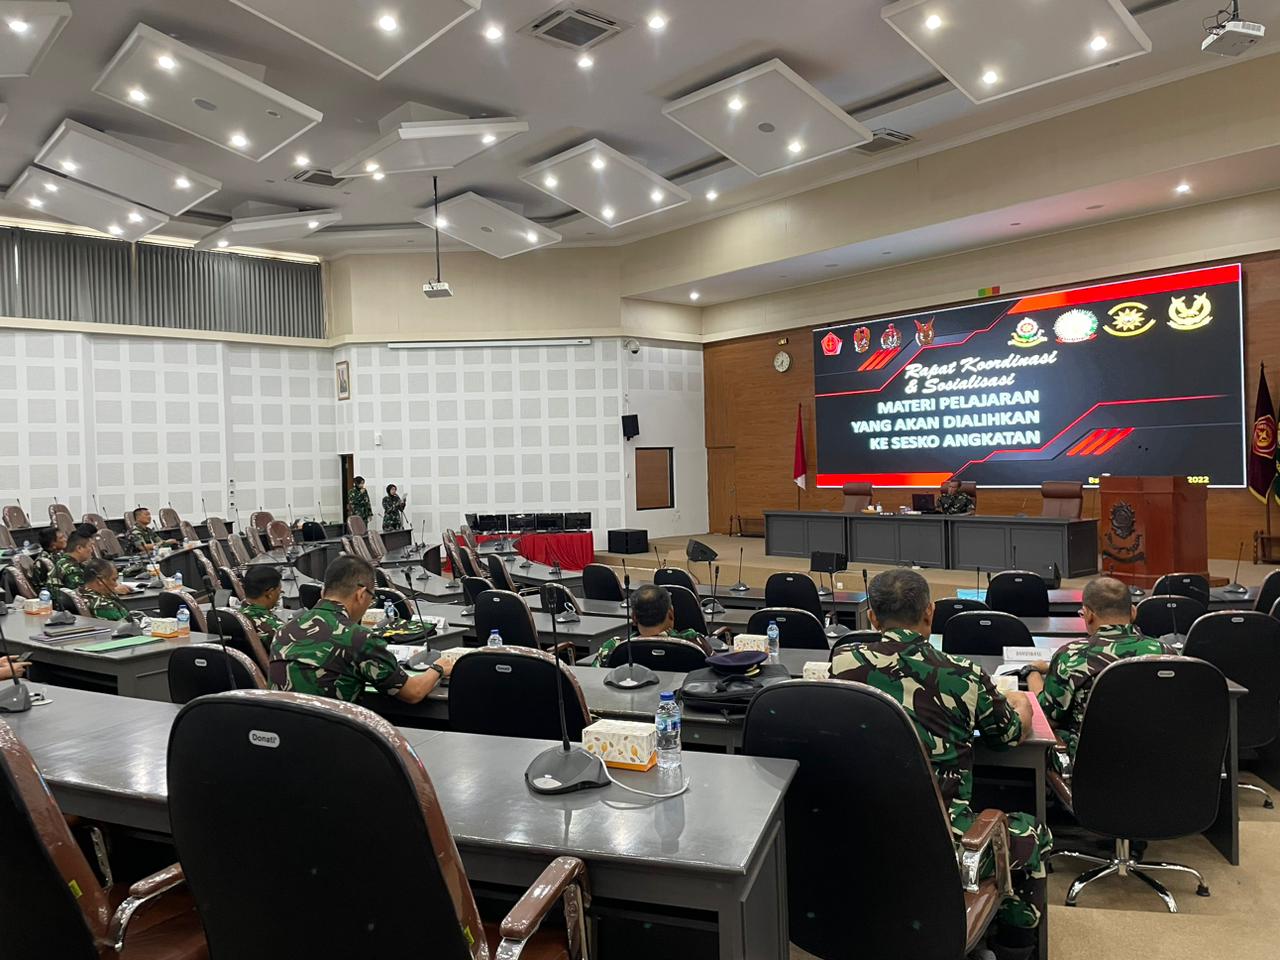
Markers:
{"x": 92, "y": 157}
{"x": 418, "y": 146}
{"x": 276, "y": 228}
{"x": 373, "y": 36}
{"x": 27, "y": 31}
{"x": 488, "y": 226}
{"x": 605, "y": 184}
{"x": 195, "y": 92}
{"x": 992, "y": 48}
{"x": 767, "y": 119}
{"x": 42, "y": 192}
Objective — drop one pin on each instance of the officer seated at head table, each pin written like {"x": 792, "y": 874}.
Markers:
{"x": 52, "y": 542}
{"x": 99, "y": 591}
{"x": 1063, "y": 685}
{"x": 142, "y": 539}
{"x": 652, "y": 615}
{"x": 262, "y": 594}
{"x": 948, "y": 698}
{"x": 326, "y": 652}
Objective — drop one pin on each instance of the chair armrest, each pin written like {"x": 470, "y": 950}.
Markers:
{"x": 1064, "y": 756}
{"x": 141, "y": 893}
{"x": 1061, "y": 786}
{"x": 562, "y": 646}
{"x": 990, "y": 831}
{"x": 565, "y": 878}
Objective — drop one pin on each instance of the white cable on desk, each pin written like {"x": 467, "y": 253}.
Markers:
{"x": 684, "y": 785}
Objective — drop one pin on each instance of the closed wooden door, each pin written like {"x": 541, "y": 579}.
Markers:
{"x": 722, "y": 492}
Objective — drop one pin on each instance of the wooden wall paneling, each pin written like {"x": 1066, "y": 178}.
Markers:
{"x": 654, "y": 487}
{"x": 752, "y": 408}
{"x": 720, "y": 488}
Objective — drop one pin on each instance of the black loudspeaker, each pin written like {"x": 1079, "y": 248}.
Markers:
{"x": 821, "y": 561}
{"x": 628, "y": 541}
{"x": 630, "y": 426}
{"x": 1051, "y": 576}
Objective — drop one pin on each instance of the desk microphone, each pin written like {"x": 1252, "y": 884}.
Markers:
{"x": 833, "y": 625}
{"x": 630, "y": 675}
{"x": 1013, "y": 547}
{"x": 564, "y": 768}
{"x": 658, "y": 555}
{"x": 417, "y": 608}
{"x": 626, "y": 590}
{"x": 96, "y": 507}
{"x": 1234, "y": 586}
{"x": 17, "y": 698}
{"x": 739, "y": 587}
{"x": 715, "y": 607}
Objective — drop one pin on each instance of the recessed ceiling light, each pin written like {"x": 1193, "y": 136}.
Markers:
{"x": 932, "y": 22}
{"x": 69, "y": 165}
{"x": 488, "y": 138}
{"x": 371, "y": 166}
{"x": 1098, "y": 43}
{"x": 138, "y": 95}
{"x": 166, "y": 62}
{"x": 313, "y": 224}
{"x": 597, "y": 162}
{"x": 441, "y": 222}
{"x": 1183, "y": 187}
{"x": 586, "y": 62}
{"x": 550, "y": 182}
{"x": 735, "y": 104}
{"x": 712, "y": 195}
{"x": 656, "y": 195}
{"x": 886, "y": 253}
{"x": 19, "y": 26}
{"x": 607, "y": 213}
{"x": 990, "y": 78}
{"x": 379, "y": 175}
{"x": 795, "y": 146}
{"x": 135, "y": 216}
{"x": 239, "y": 140}
{"x": 694, "y": 295}
{"x": 1094, "y": 206}
{"x": 302, "y": 160}
{"x": 387, "y": 23}
{"x": 222, "y": 244}
{"x": 532, "y": 236}
{"x": 114, "y": 230}
{"x": 182, "y": 183}
{"x": 51, "y": 186}
{"x": 35, "y": 202}
{"x": 493, "y": 33}
{"x": 1016, "y": 223}
{"x": 657, "y": 22}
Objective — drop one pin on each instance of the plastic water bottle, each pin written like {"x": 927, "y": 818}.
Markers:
{"x": 26, "y": 546}
{"x": 184, "y": 621}
{"x": 177, "y": 580}
{"x": 389, "y": 611}
{"x": 46, "y": 600}
{"x": 495, "y": 638}
{"x": 773, "y": 634}
{"x": 667, "y": 720}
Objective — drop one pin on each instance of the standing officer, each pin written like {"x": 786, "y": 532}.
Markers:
{"x": 358, "y": 501}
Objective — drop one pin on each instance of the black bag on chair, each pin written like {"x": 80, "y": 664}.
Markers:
{"x": 730, "y": 693}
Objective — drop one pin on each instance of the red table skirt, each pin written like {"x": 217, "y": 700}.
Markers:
{"x": 573, "y": 551}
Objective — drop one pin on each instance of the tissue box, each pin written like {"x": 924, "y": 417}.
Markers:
{"x": 452, "y": 654}
{"x": 817, "y": 670}
{"x": 164, "y": 627}
{"x": 750, "y": 641}
{"x": 171, "y": 584}
{"x": 36, "y": 608}
{"x": 1006, "y": 684}
{"x": 373, "y": 616}
{"x": 624, "y": 744}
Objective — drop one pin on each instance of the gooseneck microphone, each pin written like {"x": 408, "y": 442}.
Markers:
{"x": 630, "y": 675}
{"x": 739, "y": 587}
{"x": 15, "y": 698}
{"x": 417, "y": 608}
{"x": 1234, "y": 586}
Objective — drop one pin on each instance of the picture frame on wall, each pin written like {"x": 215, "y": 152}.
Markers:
{"x": 343, "y": 368}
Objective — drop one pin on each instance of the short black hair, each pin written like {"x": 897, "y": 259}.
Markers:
{"x": 346, "y": 573}
{"x": 260, "y": 578}
{"x": 96, "y": 569}
{"x": 650, "y": 605}
{"x": 47, "y": 536}
{"x": 76, "y": 539}
{"x": 1108, "y": 597}
{"x": 358, "y": 480}
{"x": 898, "y": 597}
{"x": 138, "y": 510}
{"x": 86, "y": 530}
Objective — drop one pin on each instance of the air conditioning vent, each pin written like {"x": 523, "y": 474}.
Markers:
{"x": 884, "y": 139}
{"x": 574, "y": 27}
{"x": 317, "y": 178}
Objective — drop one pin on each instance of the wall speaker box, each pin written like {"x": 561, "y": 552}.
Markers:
{"x": 628, "y": 541}
{"x": 630, "y": 426}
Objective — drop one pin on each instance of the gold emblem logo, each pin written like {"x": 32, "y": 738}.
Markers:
{"x": 1129, "y": 319}
{"x": 1182, "y": 317}
{"x": 1027, "y": 334}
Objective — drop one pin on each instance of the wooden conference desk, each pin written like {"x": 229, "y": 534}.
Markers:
{"x": 718, "y": 849}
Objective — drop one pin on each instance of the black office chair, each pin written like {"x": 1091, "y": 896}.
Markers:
{"x": 1184, "y": 585}
{"x": 205, "y": 668}
{"x": 237, "y": 632}
{"x": 168, "y": 603}
{"x": 793, "y": 590}
{"x": 690, "y": 615}
{"x": 233, "y": 756}
{"x": 384, "y": 595}
{"x": 70, "y": 601}
{"x": 947, "y": 607}
{"x": 1019, "y": 592}
{"x": 507, "y": 692}
{"x": 472, "y": 587}
{"x": 559, "y": 600}
{"x": 1158, "y": 616}
{"x": 601, "y": 583}
{"x": 675, "y": 577}
{"x": 1268, "y": 593}
{"x": 861, "y": 762}
{"x": 502, "y": 578}
{"x": 852, "y": 639}
{"x": 309, "y": 594}
{"x": 659, "y": 653}
{"x": 1130, "y": 763}
{"x": 1245, "y": 646}
{"x": 984, "y": 633}
{"x": 505, "y": 612}
{"x": 797, "y": 629}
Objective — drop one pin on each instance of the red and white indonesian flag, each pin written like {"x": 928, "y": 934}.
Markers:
{"x": 801, "y": 469}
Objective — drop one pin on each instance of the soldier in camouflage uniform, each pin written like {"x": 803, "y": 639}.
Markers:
{"x": 325, "y": 651}
{"x": 1063, "y": 685}
{"x": 947, "y": 698}
{"x": 262, "y": 594}
{"x": 358, "y": 504}
{"x": 652, "y": 615}
{"x": 68, "y": 569}
{"x": 392, "y": 509}
{"x": 142, "y": 539}
{"x": 954, "y": 501}
{"x": 52, "y": 541}
{"x": 99, "y": 591}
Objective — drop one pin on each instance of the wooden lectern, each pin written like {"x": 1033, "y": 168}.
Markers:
{"x": 1151, "y": 526}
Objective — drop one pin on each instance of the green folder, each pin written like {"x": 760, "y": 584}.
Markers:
{"x": 117, "y": 643}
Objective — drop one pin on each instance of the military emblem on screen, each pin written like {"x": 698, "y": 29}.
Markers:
{"x": 1129, "y": 319}
{"x": 1123, "y": 542}
{"x": 862, "y": 339}
{"x": 924, "y": 332}
{"x": 831, "y": 345}
{"x": 1027, "y": 334}
{"x": 891, "y": 339}
{"x": 1075, "y": 326}
{"x": 1183, "y": 317}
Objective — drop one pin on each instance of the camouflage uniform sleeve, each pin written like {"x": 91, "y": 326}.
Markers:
{"x": 1055, "y": 698}
{"x": 997, "y": 721}
{"x": 374, "y": 662}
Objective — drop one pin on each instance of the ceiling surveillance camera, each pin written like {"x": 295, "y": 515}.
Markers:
{"x": 632, "y": 346}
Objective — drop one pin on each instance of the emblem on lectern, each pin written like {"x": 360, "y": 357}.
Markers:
{"x": 1123, "y": 542}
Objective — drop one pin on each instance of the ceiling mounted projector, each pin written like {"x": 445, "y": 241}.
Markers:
{"x": 1229, "y": 35}
{"x": 436, "y": 290}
